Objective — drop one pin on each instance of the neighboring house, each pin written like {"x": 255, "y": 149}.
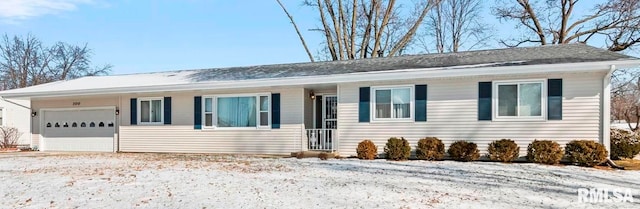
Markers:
{"x": 15, "y": 113}
{"x": 558, "y": 92}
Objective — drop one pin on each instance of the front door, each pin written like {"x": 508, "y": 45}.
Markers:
{"x": 324, "y": 136}
{"x": 330, "y": 112}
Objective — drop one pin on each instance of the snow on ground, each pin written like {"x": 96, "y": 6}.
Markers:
{"x": 126, "y": 180}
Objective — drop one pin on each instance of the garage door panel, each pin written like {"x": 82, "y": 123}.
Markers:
{"x": 78, "y": 130}
{"x": 77, "y": 144}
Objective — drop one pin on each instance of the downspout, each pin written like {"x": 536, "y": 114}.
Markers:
{"x": 606, "y": 109}
{"x": 606, "y": 115}
{"x": 12, "y": 102}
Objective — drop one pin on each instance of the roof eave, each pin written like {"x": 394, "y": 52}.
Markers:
{"x": 458, "y": 71}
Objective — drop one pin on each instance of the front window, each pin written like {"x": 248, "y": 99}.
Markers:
{"x": 150, "y": 110}
{"x": 392, "y": 103}
{"x": 236, "y": 111}
{"x": 208, "y": 112}
{"x": 520, "y": 99}
{"x": 264, "y": 111}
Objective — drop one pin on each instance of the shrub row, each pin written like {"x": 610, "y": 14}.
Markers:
{"x": 581, "y": 152}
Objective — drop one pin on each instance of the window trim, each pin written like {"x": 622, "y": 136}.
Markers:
{"x": 543, "y": 100}
{"x": 372, "y": 108}
{"x": 150, "y": 99}
{"x": 214, "y": 113}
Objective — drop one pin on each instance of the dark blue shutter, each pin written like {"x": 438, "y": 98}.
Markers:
{"x": 554, "y": 99}
{"x": 364, "y": 106}
{"x": 421, "y": 103}
{"x": 484, "y": 101}
{"x": 134, "y": 111}
{"x": 197, "y": 112}
{"x": 167, "y": 110}
{"x": 275, "y": 111}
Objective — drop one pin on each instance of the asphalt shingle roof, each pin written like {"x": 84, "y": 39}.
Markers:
{"x": 552, "y": 54}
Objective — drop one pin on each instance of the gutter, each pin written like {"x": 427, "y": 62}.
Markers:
{"x": 12, "y": 102}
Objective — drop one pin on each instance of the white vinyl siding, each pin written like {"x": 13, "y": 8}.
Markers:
{"x": 181, "y": 136}
{"x": 453, "y": 114}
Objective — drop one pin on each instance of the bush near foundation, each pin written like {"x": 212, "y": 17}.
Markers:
{"x": 430, "y": 148}
{"x": 544, "y": 152}
{"x": 397, "y": 149}
{"x": 503, "y": 150}
{"x": 586, "y": 152}
{"x": 367, "y": 150}
{"x": 464, "y": 151}
{"x": 624, "y": 144}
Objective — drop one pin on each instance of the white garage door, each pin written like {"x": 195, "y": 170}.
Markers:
{"x": 78, "y": 130}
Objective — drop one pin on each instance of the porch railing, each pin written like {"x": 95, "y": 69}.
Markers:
{"x": 322, "y": 139}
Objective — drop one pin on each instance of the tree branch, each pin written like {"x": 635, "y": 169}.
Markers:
{"x": 304, "y": 44}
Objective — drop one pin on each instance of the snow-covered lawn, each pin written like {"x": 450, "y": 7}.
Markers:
{"x": 222, "y": 181}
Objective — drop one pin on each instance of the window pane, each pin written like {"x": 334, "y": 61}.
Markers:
{"x": 531, "y": 99}
{"x": 507, "y": 100}
{"x": 401, "y": 103}
{"x": 383, "y": 103}
{"x": 156, "y": 111}
{"x": 264, "y": 118}
{"x": 208, "y": 119}
{"x": 264, "y": 103}
{"x": 1, "y": 122}
{"x": 208, "y": 107}
{"x": 237, "y": 112}
{"x": 144, "y": 111}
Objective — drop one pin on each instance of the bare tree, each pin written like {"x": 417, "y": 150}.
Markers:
{"x": 455, "y": 25}
{"x": 25, "y": 61}
{"x": 354, "y": 29}
{"x": 558, "y": 21}
{"x": 9, "y": 137}
{"x": 295, "y": 26}
{"x": 625, "y": 99}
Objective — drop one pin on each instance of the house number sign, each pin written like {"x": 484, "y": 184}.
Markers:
{"x": 76, "y": 103}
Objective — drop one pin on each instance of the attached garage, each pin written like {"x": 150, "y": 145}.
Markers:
{"x": 83, "y": 129}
